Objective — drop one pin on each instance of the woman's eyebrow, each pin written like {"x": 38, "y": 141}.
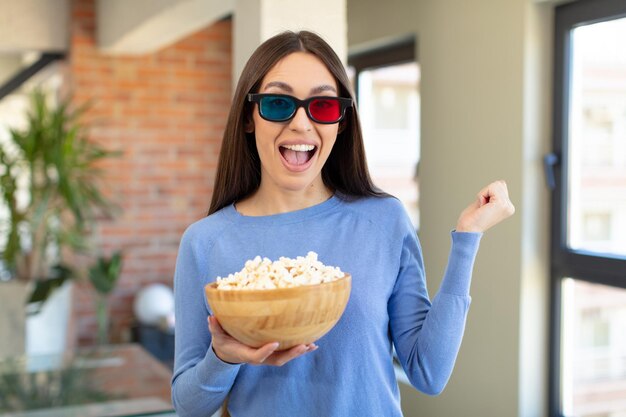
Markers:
{"x": 286, "y": 87}
{"x": 279, "y": 84}
{"x": 322, "y": 88}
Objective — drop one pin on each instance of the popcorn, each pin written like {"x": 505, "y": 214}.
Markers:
{"x": 263, "y": 274}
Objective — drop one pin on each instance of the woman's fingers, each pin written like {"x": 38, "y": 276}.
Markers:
{"x": 257, "y": 356}
{"x": 492, "y": 205}
{"x": 494, "y": 192}
{"x": 284, "y": 356}
{"x": 214, "y": 326}
{"x": 499, "y": 195}
{"x": 230, "y": 350}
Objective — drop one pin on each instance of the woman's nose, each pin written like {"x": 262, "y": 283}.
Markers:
{"x": 300, "y": 121}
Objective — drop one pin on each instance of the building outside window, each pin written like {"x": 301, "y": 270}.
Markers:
{"x": 387, "y": 87}
{"x": 589, "y": 212}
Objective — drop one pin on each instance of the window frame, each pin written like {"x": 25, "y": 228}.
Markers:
{"x": 400, "y": 51}
{"x": 25, "y": 74}
{"x": 566, "y": 262}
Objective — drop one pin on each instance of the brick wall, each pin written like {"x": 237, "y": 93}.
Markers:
{"x": 166, "y": 111}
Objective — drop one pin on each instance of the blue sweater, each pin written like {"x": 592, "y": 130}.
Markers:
{"x": 351, "y": 374}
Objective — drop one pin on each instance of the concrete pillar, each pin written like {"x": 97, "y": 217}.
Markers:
{"x": 39, "y": 25}
{"x": 257, "y": 20}
{"x": 144, "y": 26}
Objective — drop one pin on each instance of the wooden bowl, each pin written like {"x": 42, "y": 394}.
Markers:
{"x": 290, "y": 316}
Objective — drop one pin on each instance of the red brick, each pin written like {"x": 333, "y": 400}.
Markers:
{"x": 166, "y": 111}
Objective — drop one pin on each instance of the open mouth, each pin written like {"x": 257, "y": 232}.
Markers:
{"x": 297, "y": 155}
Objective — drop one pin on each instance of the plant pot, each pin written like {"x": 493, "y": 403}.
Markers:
{"x": 47, "y": 330}
{"x": 12, "y": 318}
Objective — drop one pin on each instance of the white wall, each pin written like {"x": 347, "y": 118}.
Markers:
{"x": 485, "y": 116}
{"x": 10, "y": 64}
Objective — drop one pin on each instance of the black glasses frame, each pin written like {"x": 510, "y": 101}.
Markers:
{"x": 344, "y": 104}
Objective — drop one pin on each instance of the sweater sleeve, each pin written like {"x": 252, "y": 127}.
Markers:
{"x": 201, "y": 381}
{"x": 427, "y": 336}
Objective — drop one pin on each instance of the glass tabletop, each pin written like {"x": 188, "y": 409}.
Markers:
{"x": 111, "y": 380}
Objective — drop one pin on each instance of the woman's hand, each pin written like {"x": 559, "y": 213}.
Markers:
{"x": 492, "y": 205}
{"x": 230, "y": 350}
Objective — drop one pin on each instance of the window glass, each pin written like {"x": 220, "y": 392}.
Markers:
{"x": 594, "y": 350}
{"x": 597, "y": 139}
{"x": 389, "y": 109}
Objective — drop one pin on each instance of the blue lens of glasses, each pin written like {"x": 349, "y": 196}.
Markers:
{"x": 277, "y": 108}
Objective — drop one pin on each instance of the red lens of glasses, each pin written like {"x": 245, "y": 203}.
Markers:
{"x": 325, "y": 110}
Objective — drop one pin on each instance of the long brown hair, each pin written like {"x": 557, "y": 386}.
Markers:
{"x": 239, "y": 167}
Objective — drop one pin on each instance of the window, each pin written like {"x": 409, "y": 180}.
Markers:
{"x": 596, "y": 227}
{"x": 588, "y": 256}
{"x": 387, "y": 87}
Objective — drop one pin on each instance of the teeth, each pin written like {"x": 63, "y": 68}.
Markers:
{"x": 299, "y": 148}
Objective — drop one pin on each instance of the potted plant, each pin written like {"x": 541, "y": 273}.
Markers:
{"x": 49, "y": 189}
{"x": 103, "y": 275}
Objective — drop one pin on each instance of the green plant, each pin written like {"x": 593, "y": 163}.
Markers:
{"x": 103, "y": 276}
{"x": 49, "y": 174}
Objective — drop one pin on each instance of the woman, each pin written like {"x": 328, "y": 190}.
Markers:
{"x": 292, "y": 178}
